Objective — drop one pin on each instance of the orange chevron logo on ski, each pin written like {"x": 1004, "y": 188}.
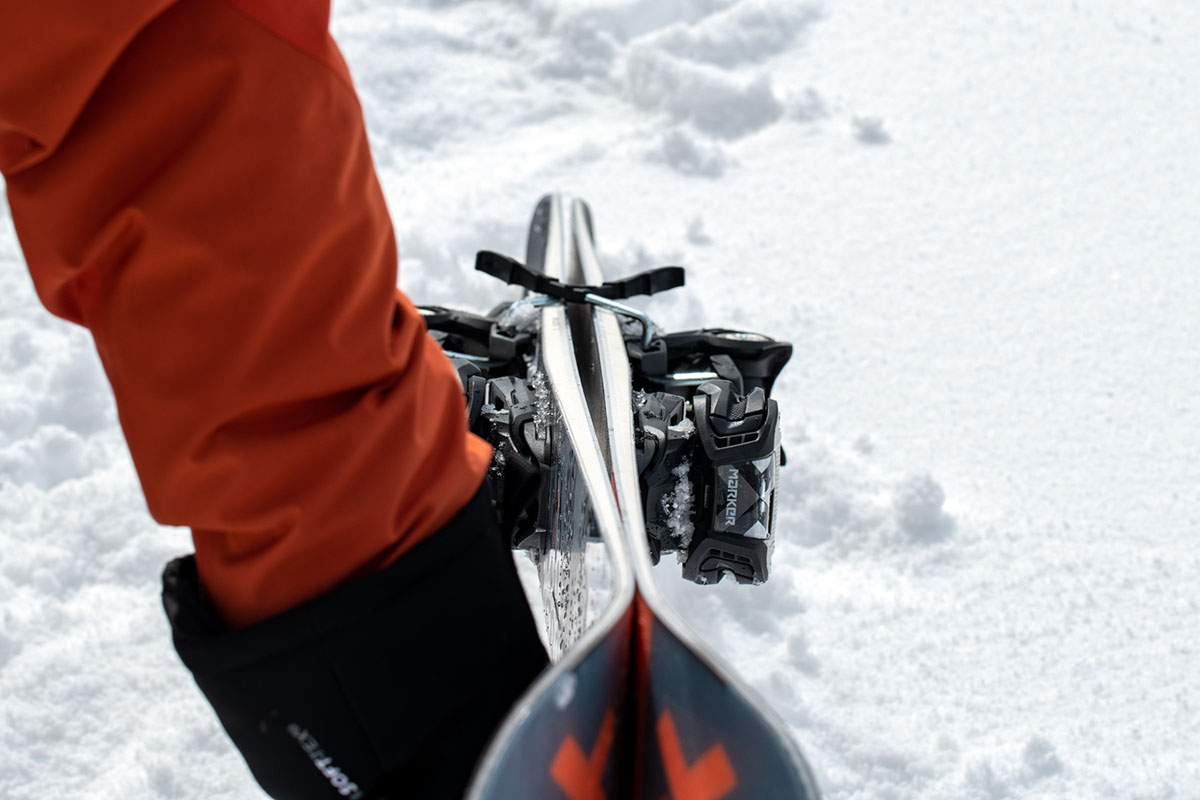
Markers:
{"x": 710, "y": 778}
{"x": 579, "y": 776}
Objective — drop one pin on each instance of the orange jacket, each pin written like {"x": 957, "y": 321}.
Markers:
{"x": 190, "y": 179}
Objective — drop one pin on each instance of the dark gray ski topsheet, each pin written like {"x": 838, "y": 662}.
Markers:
{"x": 704, "y": 735}
{"x": 564, "y": 741}
{"x": 563, "y": 737}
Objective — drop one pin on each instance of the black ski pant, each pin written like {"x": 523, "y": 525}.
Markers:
{"x": 387, "y": 688}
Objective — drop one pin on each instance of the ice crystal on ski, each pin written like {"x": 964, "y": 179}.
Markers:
{"x": 564, "y": 690}
{"x": 496, "y": 469}
{"x": 679, "y": 505}
{"x": 523, "y": 316}
{"x": 543, "y": 413}
{"x": 683, "y": 429}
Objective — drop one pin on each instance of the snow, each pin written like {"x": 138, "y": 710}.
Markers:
{"x": 678, "y": 504}
{"x": 977, "y": 224}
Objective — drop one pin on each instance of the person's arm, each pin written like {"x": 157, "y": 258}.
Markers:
{"x": 190, "y": 179}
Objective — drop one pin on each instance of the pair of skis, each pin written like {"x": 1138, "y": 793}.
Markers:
{"x": 634, "y": 705}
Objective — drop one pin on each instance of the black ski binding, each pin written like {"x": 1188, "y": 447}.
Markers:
{"x": 706, "y": 431}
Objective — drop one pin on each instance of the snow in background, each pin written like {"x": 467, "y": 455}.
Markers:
{"x": 978, "y": 225}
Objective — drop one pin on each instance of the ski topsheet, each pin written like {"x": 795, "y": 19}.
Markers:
{"x": 634, "y": 705}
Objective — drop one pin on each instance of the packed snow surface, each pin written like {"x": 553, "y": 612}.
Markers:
{"x": 977, "y": 222}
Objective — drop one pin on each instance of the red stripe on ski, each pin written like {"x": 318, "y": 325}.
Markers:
{"x": 710, "y": 778}
{"x": 581, "y": 777}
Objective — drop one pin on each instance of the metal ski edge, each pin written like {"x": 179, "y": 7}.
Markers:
{"x": 617, "y": 380}
{"x": 558, "y": 360}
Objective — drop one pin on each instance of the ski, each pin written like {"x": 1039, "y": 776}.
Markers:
{"x": 537, "y": 752}
{"x": 685, "y": 700}
{"x": 614, "y": 445}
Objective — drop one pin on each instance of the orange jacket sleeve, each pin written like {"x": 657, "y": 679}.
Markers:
{"x": 190, "y": 179}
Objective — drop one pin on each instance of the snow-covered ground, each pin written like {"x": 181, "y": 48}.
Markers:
{"x": 978, "y": 224}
